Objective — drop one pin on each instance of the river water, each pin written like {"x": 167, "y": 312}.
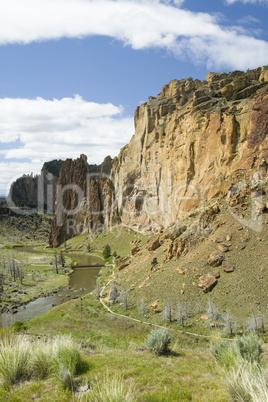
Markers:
{"x": 82, "y": 280}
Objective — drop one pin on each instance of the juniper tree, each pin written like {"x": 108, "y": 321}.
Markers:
{"x": 62, "y": 260}
{"x": 106, "y": 251}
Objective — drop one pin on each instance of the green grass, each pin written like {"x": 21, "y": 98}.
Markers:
{"x": 22, "y": 358}
{"x": 119, "y": 239}
{"x": 115, "y": 345}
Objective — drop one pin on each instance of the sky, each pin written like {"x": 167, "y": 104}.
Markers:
{"x": 72, "y": 72}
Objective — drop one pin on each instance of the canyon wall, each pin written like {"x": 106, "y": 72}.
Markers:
{"x": 30, "y": 190}
{"x": 191, "y": 144}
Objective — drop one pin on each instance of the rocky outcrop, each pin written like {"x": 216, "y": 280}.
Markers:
{"x": 207, "y": 282}
{"x": 85, "y": 200}
{"x": 192, "y": 143}
{"x": 36, "y": 191}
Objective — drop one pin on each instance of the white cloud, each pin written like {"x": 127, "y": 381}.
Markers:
{"x": 55, "y": 129}
{"x": 138, "y": 23}
{"x": 248, "y": 1}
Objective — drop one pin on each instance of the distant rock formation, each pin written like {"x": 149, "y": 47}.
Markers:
{"x": 85, "y": 200}
{"x": 36, "y": 191}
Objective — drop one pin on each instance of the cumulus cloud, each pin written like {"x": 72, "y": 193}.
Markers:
{"x": 53, "y": 129}
{"x": 137, "y": 23}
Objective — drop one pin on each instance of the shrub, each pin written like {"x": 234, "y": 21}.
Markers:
{"x": 67, "y": 361}
{"x": 249, "y": 347}
{"x": 158, "y": 341}
{"x": 246, "y": 348}
{"x": 225, "y": 353}
{"x": 106, "y": 251}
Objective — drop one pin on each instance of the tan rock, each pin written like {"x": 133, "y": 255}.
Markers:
{"x": 154, "y": 305}
{"x": 223, "y": 248}
{"x": 135, "y": 250}
{"x": 207, "y": 282}
{"x": 264, "y": 77}
{"x": 153, "y": 245}
{"x": 215, "y": 259}
{"x": 182, "y": 271}
{"x": 227, "y": 268}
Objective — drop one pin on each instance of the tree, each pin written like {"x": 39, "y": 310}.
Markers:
{"x": 168, "y": 309}
{"x": 228, "y": 323}
{"x": 181, "y": 313}
{"x": 125, "y": 299}
{"x": 113, "y": 294}
{"x": 62, "y": 259}
{"x": 142, "y": 307}
{"x": 106, "y": 251}
{"x": 253, "y": 322}
{"x": 56, "y": 262}
{"x": 212, "y": 312}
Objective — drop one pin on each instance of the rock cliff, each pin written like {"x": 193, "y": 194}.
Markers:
{"x": 192, "y": 143}
{"x": 36, "y": 191}
{"x": 85, "y": 200}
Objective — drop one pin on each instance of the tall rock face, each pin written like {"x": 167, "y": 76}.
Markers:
{"x": 85, "y": 200}
{"x": 36, "y": 191}
{"x": 192, "y": 143}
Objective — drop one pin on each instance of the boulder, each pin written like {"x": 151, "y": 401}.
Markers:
{"x": 223, "y": 248}
{"x": 153, "y": 245}
{"x": 135, "y": 250}
{"x": 215, "y": 259}
{"x": 182, "y": 271}
{"x": 207, "y": 282}
{"x": 227, "y": 268}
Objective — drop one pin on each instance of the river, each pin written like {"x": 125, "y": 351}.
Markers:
{"x": 82, "y": 280}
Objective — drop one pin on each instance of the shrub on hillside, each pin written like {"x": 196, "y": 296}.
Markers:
{"x": 245, "y": 348}
{"x": 158, "y": 341}
{"x": 249, "y": 347}
{"x": 106, "y": 251}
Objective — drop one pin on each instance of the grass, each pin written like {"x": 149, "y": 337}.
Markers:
{"x": 246, "y": 375}
{"x": 111, "y": 388}
{"x": 114, "y": 348}
{"x": 22, "y": 359}
{"x": 39, "y": 280}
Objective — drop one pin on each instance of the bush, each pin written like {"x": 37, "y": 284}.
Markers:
{"x": 245, "y": 348}
{"x": 225, "y": 353}
{"x": 158, "y": 341}
{"x": 249, "y": 347}
{"x": 106, "y": 251}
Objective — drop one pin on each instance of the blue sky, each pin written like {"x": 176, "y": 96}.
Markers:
{"x": 73, "y": 71}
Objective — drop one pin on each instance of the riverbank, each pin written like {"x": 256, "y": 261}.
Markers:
{"x": 31, "y": 272}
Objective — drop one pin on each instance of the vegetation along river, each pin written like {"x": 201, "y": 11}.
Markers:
{"x": 82, "y": 280}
